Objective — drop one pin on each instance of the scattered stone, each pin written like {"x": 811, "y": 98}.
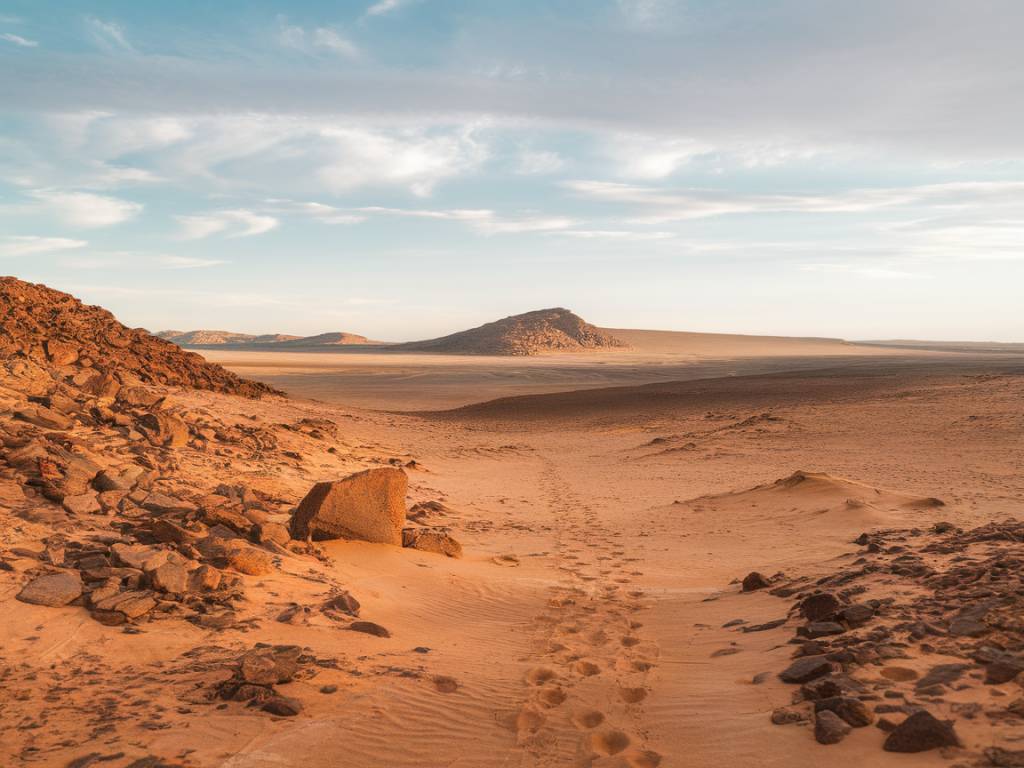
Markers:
{"x": 282, "y": 706}
{"x": 829, "y": 728}
{"x": 805, "y": 669}
{"x": 369, "y": 505}
{"x": 82, "y": 504}
{"x": 170, "y": 577}
{"x": 852, "y": 711}
{"x": 921, "y": 732}
{"x": 53, "y": 590}
{"x": 753, "y": 581}
{"x": 369, "y": 628}
{"x": 788, "y": 716}
{"x": 433, "y": 540}
{"x": 267, "y": 532}
{"x": 271, "y": 665}
{"x": 822, "y": 606}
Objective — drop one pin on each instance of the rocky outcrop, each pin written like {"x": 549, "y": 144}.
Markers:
{"x": 41, "y": 326}
{"x": 369, "y": 506}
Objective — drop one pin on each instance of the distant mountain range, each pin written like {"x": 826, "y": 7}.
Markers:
{"x": 531, "y": 333}
{"x": 206, "y": 338}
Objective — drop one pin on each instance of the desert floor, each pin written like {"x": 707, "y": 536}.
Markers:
{"x": 604, "y": 530}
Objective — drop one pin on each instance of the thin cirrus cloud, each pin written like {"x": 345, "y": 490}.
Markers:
{"x": 32, "y": 245}
{"x": 87, "y": 209}
{"x": 109, "y": 35}
{"x": 18, "y": 40}
{"x": 231, "y": 223}
{"x": 317, "y": 39}
{"x": 187, "y": 262}
{"x": 484, "y": 221}
{"x": 383, "y": 7}
{"x": 680, "y": 205}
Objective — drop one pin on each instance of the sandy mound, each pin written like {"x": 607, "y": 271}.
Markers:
{"x": 817, "y": 497}
{"x": 52, "y": 329}
{"x": 532, "y": 333}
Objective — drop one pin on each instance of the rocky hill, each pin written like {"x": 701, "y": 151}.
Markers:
{"x": 532, "y": 333}
{"x": 209, "y": 338}
{"x": 48, "y": 332}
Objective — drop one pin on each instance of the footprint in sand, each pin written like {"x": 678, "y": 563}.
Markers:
{"x": 552, "y": 697}
{"x": 630, "y": 640}
{"x": 587, "y": 668}
{"x": 587, "y": 719}
{"x": 445, "y": 684}
{"x": 633, "y": 695}
{"x": 644, "y": 759}
{"x": 529, "y": 721}
{"x": 609, "y": 742}
{"x": 540, "y": 676}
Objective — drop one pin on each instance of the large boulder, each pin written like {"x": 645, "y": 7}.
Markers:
{"x": 369, "y": 506}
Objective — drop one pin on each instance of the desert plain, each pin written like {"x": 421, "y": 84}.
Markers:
{"x": 696, "y": 550}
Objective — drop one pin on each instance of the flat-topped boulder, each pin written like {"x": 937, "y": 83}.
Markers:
{"x": 369, "y": 506}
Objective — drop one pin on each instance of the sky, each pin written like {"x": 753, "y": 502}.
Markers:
{"x": 407, "y": 168}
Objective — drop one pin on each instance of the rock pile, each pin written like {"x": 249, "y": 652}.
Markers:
{"x": 258, "y": 671}
{"x": 965, "y": 615}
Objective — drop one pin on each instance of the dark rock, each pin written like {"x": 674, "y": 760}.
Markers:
{"x": 829, "y": 728}
{"x": 857, "y": 615}
{"x": 282, "y": 706}
{"x": 816, "y": 629}
{"x": 821, "y": 606}
{"x": 369, "y": 628}
{"x": 788, "y": 716}
{"x": 921, "y": 732}
{"x": 753, "y": 581}
{"x": 852, "y": 711}
{"x": 806, "y": 669}
{"x": 942, "y": 674}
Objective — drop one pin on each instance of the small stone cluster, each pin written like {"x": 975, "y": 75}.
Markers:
{"x": 968, "y": 605}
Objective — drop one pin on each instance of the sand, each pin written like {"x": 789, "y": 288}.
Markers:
{"x": 604, "y": 530}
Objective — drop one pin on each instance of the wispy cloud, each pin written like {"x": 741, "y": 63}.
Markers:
{"x": 385, "y": 6}
{"x": 334, "y": 41}
{"x": 87, "y": 209}
{"x": 482, "y": 220}
{"x": 109, "y": 35}
{"x": 30, "y": 245}
{"x": 24, "y": 42}
{"x": 187, "y": 262}
{"x": 324, "y": 38}
{"x": 235, "y": 223}
{"x": 680, "y": 205}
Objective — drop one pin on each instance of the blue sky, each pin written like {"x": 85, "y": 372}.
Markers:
{"x": 405, "y": 168}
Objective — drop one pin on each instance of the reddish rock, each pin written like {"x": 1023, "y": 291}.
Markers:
{"x": 369, "y": 505}
{"x": 53, "y": 590}
{"x": 436, "y": 540}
